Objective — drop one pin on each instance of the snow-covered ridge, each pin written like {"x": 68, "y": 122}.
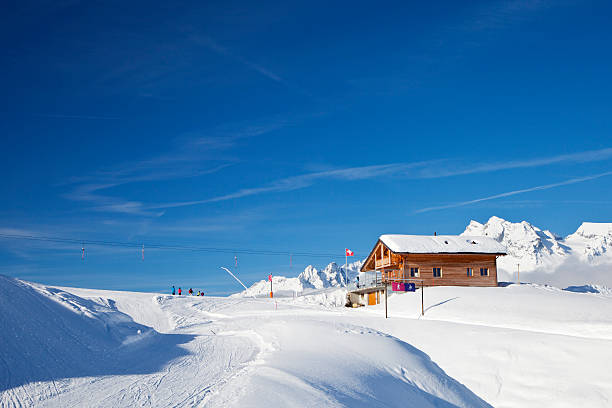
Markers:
{"x": 311, "y": 279}
{"x": 534, "y": 248}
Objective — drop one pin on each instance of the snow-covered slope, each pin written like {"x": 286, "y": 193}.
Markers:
{"x": 515, "y": 346}
{"x": 50, "y": 336}
{"x": 512, "y": 346}
{"x": 73, "y": 347}
{"x": 541, "y": 250}
{"x": 333, "y": 275}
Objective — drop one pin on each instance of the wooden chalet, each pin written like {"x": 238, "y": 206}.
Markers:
{"x": 442, "y": 260}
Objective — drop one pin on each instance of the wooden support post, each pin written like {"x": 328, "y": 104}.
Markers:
{"x": 386, "y": 301}
{"x": 422, "y": 289}
{"x": 375, "y": 254}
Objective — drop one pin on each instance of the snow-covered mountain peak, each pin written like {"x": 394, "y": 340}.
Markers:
{"x": 333, "y": 275}
{"x": 594, "y": 230}
{"x": 591, "y": 240}
{"x": 526, "y": 244}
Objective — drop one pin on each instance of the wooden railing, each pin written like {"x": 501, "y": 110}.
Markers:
{"x": 386, "y": 261}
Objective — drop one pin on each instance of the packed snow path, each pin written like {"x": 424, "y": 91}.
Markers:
{"x": 85, "y": 347}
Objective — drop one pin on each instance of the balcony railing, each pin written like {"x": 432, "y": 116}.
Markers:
{"x": 381, "y": 263}
{"x": 377, "y": 279}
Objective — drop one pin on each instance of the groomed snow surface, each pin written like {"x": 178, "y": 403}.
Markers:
{"x": 512, "y": 346}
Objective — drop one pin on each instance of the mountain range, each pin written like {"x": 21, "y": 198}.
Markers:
{"x": 540, "y": 254}
{"x": 535, "y": 249}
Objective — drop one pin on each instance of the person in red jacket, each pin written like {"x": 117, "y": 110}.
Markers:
{"x": 180, "y": 291}
{"x": 190, "y": 291}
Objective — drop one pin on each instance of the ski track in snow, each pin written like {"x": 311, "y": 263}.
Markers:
{"x": 217, "y": 352}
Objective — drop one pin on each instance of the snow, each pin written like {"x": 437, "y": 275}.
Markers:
{"x": 526, "y": 244}
{"x": 582, "y": 257}
{"x": 514, "y": 346}
{"x": 422, "y": 244}
{"x": 594, "y": 229}
{"x": 592, "y": 242}
{"x": 309, "y": 280}
{"x": 511, "y": 346}
{"x": 603, "y": 290}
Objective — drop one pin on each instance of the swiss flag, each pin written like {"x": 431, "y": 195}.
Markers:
{"x": 349, "y": 252}
{"x": 270, "y": 277}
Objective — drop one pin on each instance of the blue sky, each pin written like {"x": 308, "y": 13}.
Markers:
{"x": 291, "y": 127}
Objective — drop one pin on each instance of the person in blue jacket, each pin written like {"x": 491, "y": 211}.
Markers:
{"x": 173, "y": 291}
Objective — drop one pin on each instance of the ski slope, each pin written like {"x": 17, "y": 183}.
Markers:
{"x": 513, "y": 346}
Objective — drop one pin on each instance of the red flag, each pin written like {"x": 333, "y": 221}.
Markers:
{"x": 270, "y": 277}
{"x": 349, "y": 252}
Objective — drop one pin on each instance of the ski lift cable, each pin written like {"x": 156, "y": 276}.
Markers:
{"x": 243, "y": 251}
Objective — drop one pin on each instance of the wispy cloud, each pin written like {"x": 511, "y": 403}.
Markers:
{"x": 165, "y": 167}
{"x": 306, "y": 180}
{"x": 499, "y": 14}
{"x": 211, "y": 44}
{"x": 454, "y": 170}
{"x": 60, "y": 116}
{"x": 419, "y": 170}
{"x": 198, "y": 154}
{"x": 514, "y": 192}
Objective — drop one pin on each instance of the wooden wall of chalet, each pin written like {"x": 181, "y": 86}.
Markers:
{"x": 453, "y": 268}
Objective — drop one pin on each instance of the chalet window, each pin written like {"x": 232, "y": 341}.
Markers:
{"x": 414, "y": 272}
{"x": 484, "y": 271}
{"x": 437, "y": 272}
{"x": 470, "y": 272}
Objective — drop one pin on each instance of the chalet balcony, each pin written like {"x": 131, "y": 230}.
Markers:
{"x": 383, "y": 262}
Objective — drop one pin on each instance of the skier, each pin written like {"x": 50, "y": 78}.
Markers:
{"x": 190, "y": 291}
{"x": 180, "y": 291}
{"x": 173, "y": 291}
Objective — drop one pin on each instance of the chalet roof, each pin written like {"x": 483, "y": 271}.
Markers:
{"x": 426, "y": 244}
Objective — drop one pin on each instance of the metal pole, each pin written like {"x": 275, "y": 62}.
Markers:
{"x": 518, "y": 273}
{"x": 345, "y": 270}
{"x": 234, "y": 276}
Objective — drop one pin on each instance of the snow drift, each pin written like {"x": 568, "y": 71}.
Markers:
{"x": 346, "y": 366}
{"x": 47, "y": 334}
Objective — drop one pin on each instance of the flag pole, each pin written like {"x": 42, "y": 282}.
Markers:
{"x": 345, "y": 270}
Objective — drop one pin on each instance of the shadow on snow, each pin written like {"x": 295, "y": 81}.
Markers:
{"x": 47, "y": 334}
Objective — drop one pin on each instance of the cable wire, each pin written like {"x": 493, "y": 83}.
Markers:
{"x": 167, "y": 247}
